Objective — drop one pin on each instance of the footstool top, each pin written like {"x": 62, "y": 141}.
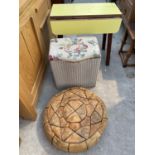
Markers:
{"x": 74, "y": 48}
{"x": 74, "y": 119}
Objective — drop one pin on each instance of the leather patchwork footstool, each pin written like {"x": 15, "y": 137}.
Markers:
{"x": 75, "y": 119}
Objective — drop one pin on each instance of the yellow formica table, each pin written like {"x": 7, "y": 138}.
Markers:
{"x": 86, "y": 18}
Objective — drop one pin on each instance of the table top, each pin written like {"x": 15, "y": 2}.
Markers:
{"x": 85, "y": 9}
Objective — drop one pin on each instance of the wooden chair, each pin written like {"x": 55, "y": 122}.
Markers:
{"x": 128, "y": 9}
{"x": 129, "y": 32}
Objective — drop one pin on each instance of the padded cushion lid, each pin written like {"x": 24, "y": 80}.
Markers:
{"x": 74, "y": 49}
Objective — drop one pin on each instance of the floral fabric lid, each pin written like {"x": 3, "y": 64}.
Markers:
{"x": 74, "y": 49}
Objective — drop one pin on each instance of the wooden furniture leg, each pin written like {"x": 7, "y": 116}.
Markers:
{"x": 123, "y": 41}
{"x": 104, "y": 41}
{"x": 60, "y": 36}
{"x": 130, "y": 51}
{"x": 111, "y": 1}
{"x": 108, "y": 48}
{"x": 125, "y": 55}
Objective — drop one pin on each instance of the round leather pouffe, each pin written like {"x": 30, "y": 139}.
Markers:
{"x": 74, "y": 119}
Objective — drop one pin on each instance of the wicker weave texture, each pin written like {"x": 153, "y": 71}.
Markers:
{"x": 81, "y": 73}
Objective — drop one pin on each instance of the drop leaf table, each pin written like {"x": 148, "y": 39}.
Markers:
{"x": 86, "y": 18}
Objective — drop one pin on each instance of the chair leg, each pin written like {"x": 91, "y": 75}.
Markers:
{"x": 123, "y": 41}
{"x": 129, "y": 53}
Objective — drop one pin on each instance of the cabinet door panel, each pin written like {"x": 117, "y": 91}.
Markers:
{"x": 40, "y": 19}
{"x": 26, "y": 108}
{"x": 32, "y": 43}
{"x": 26, "y": 65}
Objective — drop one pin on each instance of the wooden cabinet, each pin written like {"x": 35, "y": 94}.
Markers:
{"x": 33, "y": 49}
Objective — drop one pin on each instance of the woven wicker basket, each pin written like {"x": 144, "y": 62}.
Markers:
{"x": 79, "y": 73}
{"x": 75, "y": 61}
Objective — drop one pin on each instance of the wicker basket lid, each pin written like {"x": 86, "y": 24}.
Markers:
{"x": 74, "y": 119}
